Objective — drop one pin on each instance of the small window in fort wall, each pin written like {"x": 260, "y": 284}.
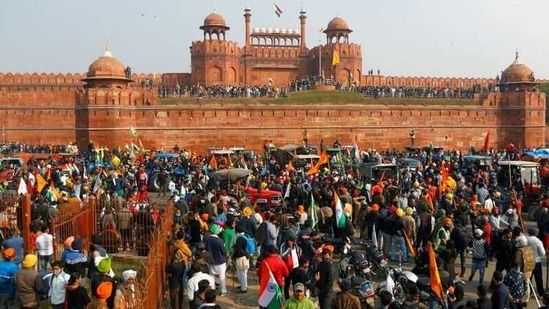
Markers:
{"x": 143, "y": 115}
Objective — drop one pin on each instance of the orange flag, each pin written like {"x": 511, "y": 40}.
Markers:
{"x": 213, "y": 163}
{"x": 229, "y": 162}
{"x": 411, "y": 249}
{"x": 290, "y": 166}
{"x": 487, "y": 142}
{"x": 324, "y": 158}
{"x": 436, "y": 284}
{"x": 313, "y": 170}
{"x": 40, "y": 183}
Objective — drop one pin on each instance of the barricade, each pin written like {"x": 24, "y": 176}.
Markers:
{"x": 73, "y": 220}
{"x": 125, "y": 226}
{"x": 159, "y": 255}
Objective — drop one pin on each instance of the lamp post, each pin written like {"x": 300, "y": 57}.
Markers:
{"x": 412, "y": 137}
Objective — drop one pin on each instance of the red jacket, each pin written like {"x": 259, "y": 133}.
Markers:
{"x": 277, "y": 266}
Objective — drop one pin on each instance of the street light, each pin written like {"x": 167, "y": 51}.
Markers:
{"x": 412, "y": 137}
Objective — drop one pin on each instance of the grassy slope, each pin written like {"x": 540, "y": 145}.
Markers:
{"x": 322, "y": 97}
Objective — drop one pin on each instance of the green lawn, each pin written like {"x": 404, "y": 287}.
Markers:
{"x": 319, "y": 97}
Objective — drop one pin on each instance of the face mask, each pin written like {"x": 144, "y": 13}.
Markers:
{"x": 57, "y": 272}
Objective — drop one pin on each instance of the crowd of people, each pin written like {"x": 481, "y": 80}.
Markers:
{"x": 402, "y": 213}
{"x": 420, "y": 92}
{"x": 82, "y": 278}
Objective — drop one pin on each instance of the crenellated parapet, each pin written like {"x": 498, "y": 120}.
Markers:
{"x": 9, "y": 78}
{"x": 215, "y": 46}
{"x": 435, "y": 82}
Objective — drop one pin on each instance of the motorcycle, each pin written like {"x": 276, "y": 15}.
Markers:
{"x": 354, "y": 263}
{"x": 379, "y": 264}
{"x": 363, "y": 289}
{"x": 404, "y": 282}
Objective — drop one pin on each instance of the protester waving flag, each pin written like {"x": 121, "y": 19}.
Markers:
{"x": 341, "y": 219}
{"x": 436, "y": 284}
{"x": 270, "y": 295}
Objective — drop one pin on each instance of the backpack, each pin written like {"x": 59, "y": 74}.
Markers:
{"x": 261, "y": 234}
{"x": 46, "y": 277}
{"x": 251, "y": 247}
{"x": 528, "y": 259}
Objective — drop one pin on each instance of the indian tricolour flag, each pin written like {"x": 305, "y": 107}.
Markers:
{"x": 278, "y": 10}
{"x": 313, "y": 217}
{"x": 341, "y": 219}
{"x": 270, "y": 295}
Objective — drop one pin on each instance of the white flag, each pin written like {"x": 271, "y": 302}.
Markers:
{"x": 22, "y": 187}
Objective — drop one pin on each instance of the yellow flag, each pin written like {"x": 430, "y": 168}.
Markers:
{"x": 335, "y": 58}
{"x": 115, "y": 161}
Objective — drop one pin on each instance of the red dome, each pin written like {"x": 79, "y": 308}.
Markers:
{"x": 337, "y": 23}
{"x": 106, "y": 66}
{"x": 214, "y": 19}
{"x": 517, "y": 72}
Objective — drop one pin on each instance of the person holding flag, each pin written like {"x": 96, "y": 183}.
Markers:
{"x": 271, "y": 273}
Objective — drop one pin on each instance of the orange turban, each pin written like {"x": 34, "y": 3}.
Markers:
{"x": 104, "y": 290}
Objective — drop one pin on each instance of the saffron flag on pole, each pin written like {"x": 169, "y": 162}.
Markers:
{"x": 213, "y": 163}
{"x": 486, "y": 142}
{"x": 409, "y": 245}
{"x": 40, "y": 183}
{"x": 278, "y": 10}
{"x": 270, "y": 295}
{"x": 341, "y": 219}
{"x": 436, "y": 284}
{"x": 335, "y": 58}
{"x": 313, "y": 216}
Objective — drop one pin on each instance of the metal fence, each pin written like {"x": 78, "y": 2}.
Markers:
{"x": 75, "y": 220}
{"x": 159, "y": 255}
{"x": 147, "y": 236}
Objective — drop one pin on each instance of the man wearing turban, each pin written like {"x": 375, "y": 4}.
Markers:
{"x": 128, "y": 294}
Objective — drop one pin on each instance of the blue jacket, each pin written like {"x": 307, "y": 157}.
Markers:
{"x": 7, "y": 271}
{"x": 75, "y": 262}
{"x": 216, "y": 247}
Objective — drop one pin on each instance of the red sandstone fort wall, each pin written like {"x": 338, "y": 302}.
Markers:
{"x": 380, "y": 127}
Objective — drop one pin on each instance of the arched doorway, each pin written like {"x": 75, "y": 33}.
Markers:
{"x": 215, "y": 75}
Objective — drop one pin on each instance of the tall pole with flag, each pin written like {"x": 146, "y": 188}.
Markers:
{"x": 335, "y": 62}
{"x": 278, "y": 10}
{"x": 321, "y": 76}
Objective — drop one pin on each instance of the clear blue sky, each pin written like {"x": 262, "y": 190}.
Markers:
{"x": 401, "y": 37}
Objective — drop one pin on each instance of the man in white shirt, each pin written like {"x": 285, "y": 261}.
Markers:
{"x": 192, "y": 283}
{"x": 44, "y": 249}
{"x": 539, "y": 252}
{"x": 58, "y": 286}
